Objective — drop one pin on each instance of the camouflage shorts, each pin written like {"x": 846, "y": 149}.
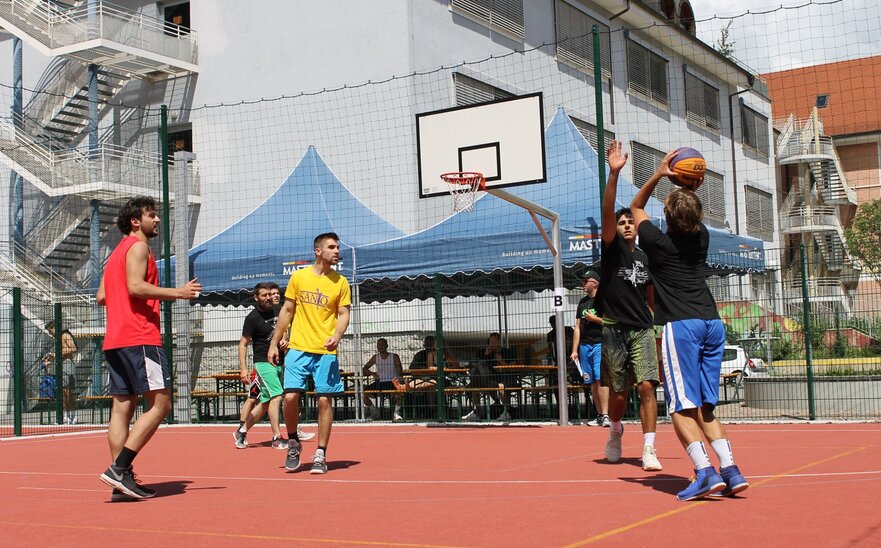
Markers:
{"x": 629, "y": 357}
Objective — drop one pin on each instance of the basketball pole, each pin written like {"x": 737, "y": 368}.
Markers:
{"x": 554, "y": 245}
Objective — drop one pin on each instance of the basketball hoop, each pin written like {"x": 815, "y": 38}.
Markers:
{"x": 463, "y": 188}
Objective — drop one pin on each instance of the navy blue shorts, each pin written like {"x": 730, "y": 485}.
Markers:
{"x": 137, "y": 370}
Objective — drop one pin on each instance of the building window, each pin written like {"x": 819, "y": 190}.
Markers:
{"x": 712, "y": 195}
{"x": 504, "y": 16}
{"x": 822, "y": 101}
{"x": 720, "y": 287}
{"x": 470, "y": 91}
{"x": 180, "y": 141}
{"x": 646, "y": 73}
{"x": 754, "y": 129}
{"x": 177, "y": 19}
{"x": 645, "y": 162}
{"x": 575, "y": 40}
{"x": 701, "y": 103}
{"x": 759, "y": 213}
{"x": 589, "y": 132}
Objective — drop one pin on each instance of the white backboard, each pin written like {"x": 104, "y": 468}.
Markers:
{"x": 502, "y": 139}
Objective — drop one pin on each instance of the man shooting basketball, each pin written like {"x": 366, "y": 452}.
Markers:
{"x": 693, "y": 336}
{"x": 317, "y": 309}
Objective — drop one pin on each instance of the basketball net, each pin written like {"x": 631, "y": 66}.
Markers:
{"x": 463, "y": 186}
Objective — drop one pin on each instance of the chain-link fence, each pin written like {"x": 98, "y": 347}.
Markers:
{"x": 794, "y": 351}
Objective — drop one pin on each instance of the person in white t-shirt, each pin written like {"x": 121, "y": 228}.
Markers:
{"x": 388, "y": 370}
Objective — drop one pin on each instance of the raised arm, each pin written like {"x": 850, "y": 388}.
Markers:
{"x": 637, "y": 206}
{"x": 617, "y": 160}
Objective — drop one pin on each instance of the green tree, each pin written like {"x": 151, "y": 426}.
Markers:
{"x": 864, "y": 238}
{"x": 725, "y": 45}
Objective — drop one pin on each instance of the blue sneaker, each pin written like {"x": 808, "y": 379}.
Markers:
{"x": 734, "y": 482}
{"x": 705, "y": 482}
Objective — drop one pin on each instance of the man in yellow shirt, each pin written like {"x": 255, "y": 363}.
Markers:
{"x": 317, "y": 303}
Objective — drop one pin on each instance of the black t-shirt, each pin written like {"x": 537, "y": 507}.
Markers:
{"x": 624, "y": 276}
{"x": 678, "y": 263}
{"x": 420, "y": 360}
{"x": 590, "y": 332}
{"x": 259, "y": 325}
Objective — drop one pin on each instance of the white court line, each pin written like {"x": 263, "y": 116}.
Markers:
{"x": 63, "y": 489}
{"x": 285, "y": 477}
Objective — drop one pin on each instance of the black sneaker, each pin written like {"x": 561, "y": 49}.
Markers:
{"x": 124, "y": 480}
{"x": 292, "y": 460}
{"x": 119, "y": 496}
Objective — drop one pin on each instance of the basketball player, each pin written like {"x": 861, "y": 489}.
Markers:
{"x": 693, "y": 335}
{"x": 317, "y": 310}
{"x": 628, "y": 349}
{"x": 132, "y": 344}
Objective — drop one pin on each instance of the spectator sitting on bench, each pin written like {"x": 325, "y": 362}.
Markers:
{"x": 388, "y": 371}
{"x": 484, "y": 375}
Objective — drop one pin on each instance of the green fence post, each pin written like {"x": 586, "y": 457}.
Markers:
{"x": 598, "y": 91}
{"x": 17, "y": 361}
{"x": 59, "y": 364}
{"x": 809, "y": 344}
{"x": 440, "y": 349}
{"x": 167, "y": 338}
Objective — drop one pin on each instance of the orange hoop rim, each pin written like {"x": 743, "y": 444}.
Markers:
{"x": 470, "y": 179}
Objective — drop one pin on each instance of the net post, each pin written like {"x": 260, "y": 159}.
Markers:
{"x": 58, "y": 363}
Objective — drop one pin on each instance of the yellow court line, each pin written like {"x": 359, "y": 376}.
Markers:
{"x": 221, "y": 535}
{"x": 692, "y": 505}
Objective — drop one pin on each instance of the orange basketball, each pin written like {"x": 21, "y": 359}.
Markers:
{"x": 689, "y": 166}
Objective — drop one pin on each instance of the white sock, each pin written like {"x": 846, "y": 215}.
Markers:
{"x": 319, "y": 453}
{"x": 617, "y": 427}
{"x": 648, "y": 439}
{"x": 398, "y": 409}
{"x": 698, "y": 454}
{"x": 723, "y": 450}
{"x": 243, "y": 429}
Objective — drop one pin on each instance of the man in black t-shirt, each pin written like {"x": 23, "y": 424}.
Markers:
{"x": 257, "y": 330}
{"x": 484, "y": 375}
{"x": 587, "y": 347}
{"x": 693, "y": 337}
{"x": 628, "y": 347}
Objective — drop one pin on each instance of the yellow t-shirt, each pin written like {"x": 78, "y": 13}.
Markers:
{"x": 318, "y": 300}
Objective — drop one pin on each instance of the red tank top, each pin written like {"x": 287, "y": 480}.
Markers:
{"x": 130, "y": 321}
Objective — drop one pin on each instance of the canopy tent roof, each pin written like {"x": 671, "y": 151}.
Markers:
{"x": 274, "y": 239}
{"x": 497, "y": 249}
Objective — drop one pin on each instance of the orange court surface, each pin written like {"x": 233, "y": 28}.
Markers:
{"x": 511, "y": 486}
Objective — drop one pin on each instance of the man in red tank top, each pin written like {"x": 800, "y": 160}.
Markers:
{"x": 132, "y": 345}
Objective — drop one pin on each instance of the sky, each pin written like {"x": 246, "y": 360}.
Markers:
{"x": 821, "y": 32}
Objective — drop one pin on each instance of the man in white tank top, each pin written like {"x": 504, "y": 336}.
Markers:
{"x": 388, "y": 370}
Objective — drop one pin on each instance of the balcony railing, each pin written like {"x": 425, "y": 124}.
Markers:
{"x": 810, "y": 218}
{"x": 55, "y": 27}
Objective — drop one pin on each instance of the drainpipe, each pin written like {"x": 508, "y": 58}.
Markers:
{"x": 750, "y": 80}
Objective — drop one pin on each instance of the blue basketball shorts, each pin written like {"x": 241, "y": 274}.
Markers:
{"x": 324, "y": 368}
{"x": 590, "y": 356}
{"x": 691, "y": 352}
{"x": 137, "y": 370}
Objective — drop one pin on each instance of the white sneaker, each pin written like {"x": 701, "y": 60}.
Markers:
{"x": 397, "y": 418}
{"x": 613, "y": 446}
{"x": 472, "y": 416}
{"x": 505, "y": 417}
{"x": 304, "y": 436}
{"x": 650, "y": 462}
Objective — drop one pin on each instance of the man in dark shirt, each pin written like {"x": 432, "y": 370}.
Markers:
{"x": 693, "y": 337}
{"x": 628, "y": 347}
{"x": 587, "y": 347}
{"x": 257, "y": 330}
{"x": 484, "y": 375}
